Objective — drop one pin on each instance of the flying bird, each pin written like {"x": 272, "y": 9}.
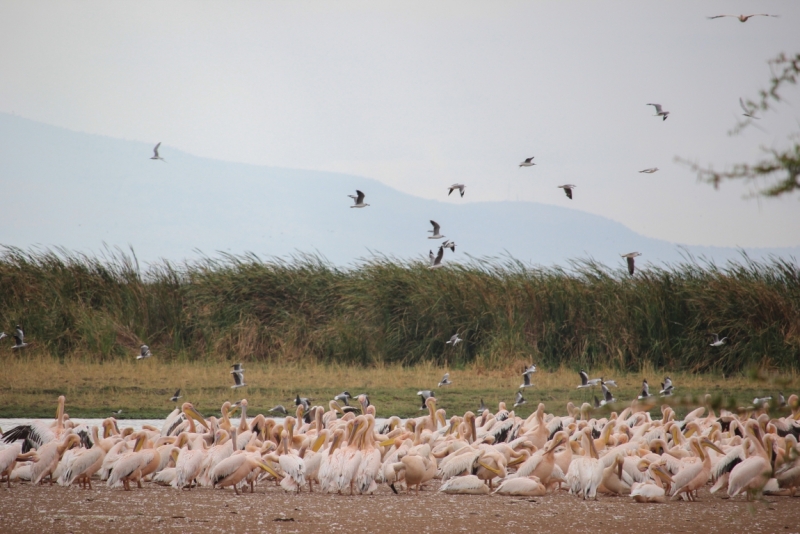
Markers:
{"x": 760, "y": 401}
{"x": 568, "y": 189}
{"x": 744, "y": 18}
{"x": 176, "y": 396}
{"x": 450, "y": 244}
{"x": 651, "y": 170}
{"x": 118, "y": 412}
{"x": 528, "y": 162}
{"x": 425, "y": 394}
{"x": 608, "y": 382}
{"x": 454, "y": 340}
{"x": 279, "y": 409}
{"x": 608, "y": 398}
{"x": 520, "y": 400}
{"x": 717, "y": 341}
{"x": 585, "y": 382}
{"x": 526, "y": 380}
{"x": 155, "y": 152}
{"x": 660, "y": 112}
{"x": 358, "y": 199}
{"x": 445, "y": 381}
{"x": 304, "y": 401}
{"x": 238, "y": 376}
{"x": 460, "y": 188}
{"x": 19, "y": 338}
{"x": 435, "y": 231}
{"x": 144, "y": 352}
{"x": 436, "y": 261}
{"x": 482, "y": 408}
{"x": 747, "y": 112}
{"x": 2, "y": 335}
{"x": 629, "y": 256}
{"x": 645, "y": 390}
{"x": 343, "y": 396}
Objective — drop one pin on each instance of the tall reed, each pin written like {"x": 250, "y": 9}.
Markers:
{"x": 385, "y": 311}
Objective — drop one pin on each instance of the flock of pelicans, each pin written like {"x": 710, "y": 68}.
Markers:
{"x": 348, "y": 451}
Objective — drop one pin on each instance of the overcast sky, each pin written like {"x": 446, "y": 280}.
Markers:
{"x": 422, "y": 95}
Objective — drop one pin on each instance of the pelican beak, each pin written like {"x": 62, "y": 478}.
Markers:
{"x": 710, "y": 444}
{"x": 387, "y": 443}
{"x": 234, "y": 408}
{"x": 662, "y": 474}
{"x": 174, "y": 455}
{"x": 194, "y": 414}
{"x": 318, "y": 443}
{"x": 269, "y": 470}
{"x": 441, "y": 419}
{"x": 488, "y": 468}
{"x": 518, "y": 460}
{"x": 338, "y": 408}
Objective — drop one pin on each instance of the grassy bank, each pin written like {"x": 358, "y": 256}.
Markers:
{"x": 29, "y": 387}
{"x": 387, "y": 313}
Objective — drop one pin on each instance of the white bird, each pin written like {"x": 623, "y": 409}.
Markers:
{"x": 526, "y": 377}
{"x": 455, "y": 340}
{"x": 358, "y": 199}
{"x": 435, "y": 231}
{"x": 155, "y": 152}
{"x": 449, "y": 244}
{"x": 717, "y": 341}
{"x": 747, "y": 112}
{"x": 238, "y": 379}
{"x": 660, "y": 112}
{"x": 460, "y": 188}
{"x": 666, "y": 387}
{"x": 645, "y": 390}
{"x": 568, "y": 189}
{"x": 425, "y": 394}
{"x": 466, "y": 485}
{"x": 651, "y": 170}
{"x": 608, "y": 398}
{"x": 19, "y": 338}
{"x": 144, "y": 352}
{"x": 744, "y": 18}
{"x": 2, "y": 335}
{"x": 436, "y": 261}
{"x": 176, "y": 396}
{"x": 529, "y": 486}
{"x": 445, "y": 381}
{"x": 629, "y": 256}
{"x": 760, "y": 401}
{"x": 520, "y": 400}
{"x": 585, "y": 382}
{"x": 528, "y": 162}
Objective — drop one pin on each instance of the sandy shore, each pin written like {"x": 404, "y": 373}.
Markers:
{"x": 153, "y": 508}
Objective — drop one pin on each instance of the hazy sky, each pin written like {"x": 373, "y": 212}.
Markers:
{"x": 421, "y": 95}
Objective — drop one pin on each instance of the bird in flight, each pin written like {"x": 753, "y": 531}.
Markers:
{"x": 144, "y": 352}
{"x": 526, "y": 377}
{"x": 445, "y": 381}
{"x": 19, "y": 338}
{"x": 450, "y": 244}
{"x": 629, "y": 256}
{"x": 460, "y": 188}
{"x": 651, "y": 170}
{"x": 238, "y": 376}
{"x": 359, "y": 200}
{"x": 744, "y": 18}
{"x": 528, "y": 162}
{"x": 155, "y": 152}
{"x": 520, "y": 400}
{"x": 435, "y": 231}
{"x": 645, "y": 390}
{"x": 717, "y": 341}
{"x": 666, "y": 387}
{"x": 747, "y": 112}
{"x": 585, "y": 382}
{"x": 568, "y": 189}
{"x": 436, "y": 261}
{"x": 176, "y": 396}
{"x": 660, "y": 112}
{"x": 455, "y": 340}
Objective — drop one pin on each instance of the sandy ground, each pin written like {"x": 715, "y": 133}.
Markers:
{"x": 153, "y": 508}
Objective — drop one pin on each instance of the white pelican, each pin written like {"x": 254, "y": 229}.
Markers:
{"x": 86, "y": 462}
{"x": 460, "y": 188}
{"x": 653, "y": 489}
{"x": 660, "y": 112}
{"x": 435, "y": 231}
{"x": 144, "y": 352}
{"x": 358, "y": 199}
{"x": 529, "y": 486}
{"x": 466, "y": 485}
{"x": 416, "y": 469}
{"x": 370, "y": 468}
{"x": 291, "y": 464}
{"x": 234, "y": 469}
{"x": 155, "y": 152}
{"x": 744, "y": 18}
{"x": 630, "y": 259}
{"x": 49, "y": 455}
{"x": 586, "y": 473}
{"x": 528, "y": 162}
{"x": 695, "y": 475}
{"x": 38, "y": 433}
{"x": 10, "y": 456}
{"x": 717, "y": 341}
{"x": 327, "y": 469}
{"x": 19, "y": 338}
{"x": 753, "y": 473}
{"x": 568, "y": 189}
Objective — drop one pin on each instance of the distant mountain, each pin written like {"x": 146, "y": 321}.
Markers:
{"x": 79, "y": 191}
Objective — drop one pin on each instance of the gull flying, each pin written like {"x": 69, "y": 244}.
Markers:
{"x": 144, "y": 352}
{"x": 528, "y": 162}
{"x": 568, "y": 189}
{"x": 445, "y": 381}
{"x": 629, "y": 256}
{"x": 460, "y": 188}
{"x": 660, "y": 112}
{"x": 358, "y": 199}
{"x": 155, "y": 152}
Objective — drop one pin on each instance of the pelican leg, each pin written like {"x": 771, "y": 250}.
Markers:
{"x": 89, "y": 482}
{"x": 236, "y": 490}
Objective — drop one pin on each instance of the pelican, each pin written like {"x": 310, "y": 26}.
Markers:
{"x": 753, "y": 473}
{"x": 291, "y": 463}
{"x": 652, "y": 490}
{"x": 436, "y": 261}
{"x": 568, "y": 189}
{"x": 466, "y": 485}
{"x": 528, "y": 162}
{"x": 155, "y": 152}
{"x": 586, "y": 473}
{"x": 585, "y": 382}
{"x": 659, "y": 112}
{"x": 10, "y": 456}
{"x": 529, "y": 486}
{"x": 454, "y": 340}
{"x": 19, "y": 338}
{"x": 695, "y": 475}
{"x": 629, "y": 256}
{"x": 176, "y": 396}
{"x": 416, "y": 469}
{"x": 717, "y": 341}
{"x": 358, "y": 199}
{"x": 235, "y": 468}
{"x": 460, "y": 188}
{"x": 651, "y": 170}
{"x": 747, "y": 112}
{"x": 435, "y": 231}
{"x": 446, "y": 379}
{"x": 743, "y": 18}
{"x": 520, "y": 400}
{"x": 144, "y": 352}
{"x": 38, "y": 433}
{"x": 370, "y": 468}
{"x": 49, "y": 455}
